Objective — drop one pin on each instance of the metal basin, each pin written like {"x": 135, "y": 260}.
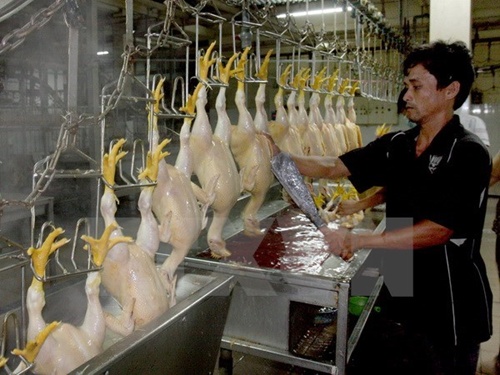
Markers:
{"x": 184, "y": 340}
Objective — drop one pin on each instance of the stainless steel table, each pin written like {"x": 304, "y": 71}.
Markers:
{"x": 258, "y": 322}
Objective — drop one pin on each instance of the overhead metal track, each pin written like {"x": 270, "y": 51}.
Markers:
{"x": 10, "y": 7}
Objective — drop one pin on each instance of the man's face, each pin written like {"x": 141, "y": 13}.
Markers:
{"x": 423, "y": 98}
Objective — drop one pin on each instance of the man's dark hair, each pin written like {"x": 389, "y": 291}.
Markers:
{"x": 447, "y": 62}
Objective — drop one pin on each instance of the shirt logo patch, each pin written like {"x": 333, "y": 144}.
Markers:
{"x": 434, "y": 162}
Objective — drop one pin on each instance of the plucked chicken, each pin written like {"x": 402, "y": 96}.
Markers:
{"x": 175, "y": 198}
{"x": 291, "y": 105}
{"x": 67, "y": 346}
{"x": 280, "y": 129}
{"x": 330, "y": 117}
{"x": 129, "y": 268}
{"x": 223, "y": 126}
{"x": 350, "y": 133}
{"x": 260, "y": 120}
{"x": 328, "y": 138}
{"x": 252, "y": 152}
{"x": 351, "y": 116}
{"x": 212, "y": 158}
{"x": 311, "y": 138}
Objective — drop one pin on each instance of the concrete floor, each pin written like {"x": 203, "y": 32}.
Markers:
{"x": 248, "y": 365}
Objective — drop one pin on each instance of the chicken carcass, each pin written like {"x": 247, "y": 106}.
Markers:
{"x": 328, "y": 137}
{"x": 212, "y": 157}
{"x": 311, "y": 135}
{"x": 67, "y": 346}
{"x": 330, "y": 116}
{"x": 291, "y": 105}
{"x": 260, "y": 120}
{"x": 175, "y": 198}
{"x": 351, "y": 116}
{"x": 129, "y": 269}
{"x": 351, "y": 136}
{"x": 252, "y": 152}
{"x": 280, "y": 129}
{"x": 223, "y": 126}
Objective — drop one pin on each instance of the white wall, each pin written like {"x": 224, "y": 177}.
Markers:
{"x": 490, "y": 113}
{"x": 449, "y": 20}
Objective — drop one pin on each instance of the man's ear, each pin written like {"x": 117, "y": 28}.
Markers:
{"x": 452, "y": 90}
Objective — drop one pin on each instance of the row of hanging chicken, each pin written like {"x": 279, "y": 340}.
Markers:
{"x": 227, "y": 161}
{"x": 239, "y": 155}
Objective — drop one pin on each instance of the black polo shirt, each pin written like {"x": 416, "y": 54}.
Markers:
{"x": 447, "y": 184}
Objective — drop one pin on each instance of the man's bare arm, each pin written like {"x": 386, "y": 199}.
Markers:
{"x": 351, "y": 206}
{"x": 423, "y": 234}
{"x": 321, "y": 166}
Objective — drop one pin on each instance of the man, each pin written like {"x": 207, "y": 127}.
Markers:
{"x": 435, "y": 179}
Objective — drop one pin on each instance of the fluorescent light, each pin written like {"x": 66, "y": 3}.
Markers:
{"x": 315, "y": 12}
{"x": 101, "y": 53}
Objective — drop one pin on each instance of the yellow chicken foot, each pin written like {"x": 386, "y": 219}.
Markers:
{"x": 205, "y": 63}
{"x": 33, "y": 346}
{"x": 109, "y": 163}
{"x": 153, "y": 160}
{"x": 158, "y": 96}
{"x": 40, "y": 256}
{"x": 304, "y": 77}
{"x": 296, "y": 79}
{"x": 332, "y": 81}
{"x": 100, "y": 247}
{"x": 319, "y": 79}
{"x": 225, "y": 72}
{"x": 382, "y": 130}
{"x": 343, "y": 86}
{"x": 190, "y": 106}
{"x": 153, "y": 115}
{"x": 240, "y": 75}
{"x": 354, "y": 88}
{"x": 264, "y": 67}
{"x": 284, "y": 76}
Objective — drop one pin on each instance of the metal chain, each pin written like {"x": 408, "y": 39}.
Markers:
{"x": 9, "y": 42}
{"x": 17, "y": 36}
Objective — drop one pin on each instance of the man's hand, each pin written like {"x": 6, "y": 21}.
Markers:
{"x": 341, "y": 242}
{"x": 348, "y": 207}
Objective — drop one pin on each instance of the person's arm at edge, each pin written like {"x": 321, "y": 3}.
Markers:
{"x": 351, "y": 206}
{"x": 321, "y": 166}
{"x": 495, "y": 170}
{"x": 314, "y": 166}
{"x": 375, "y": 199}
{"x": 423, "y": 234}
